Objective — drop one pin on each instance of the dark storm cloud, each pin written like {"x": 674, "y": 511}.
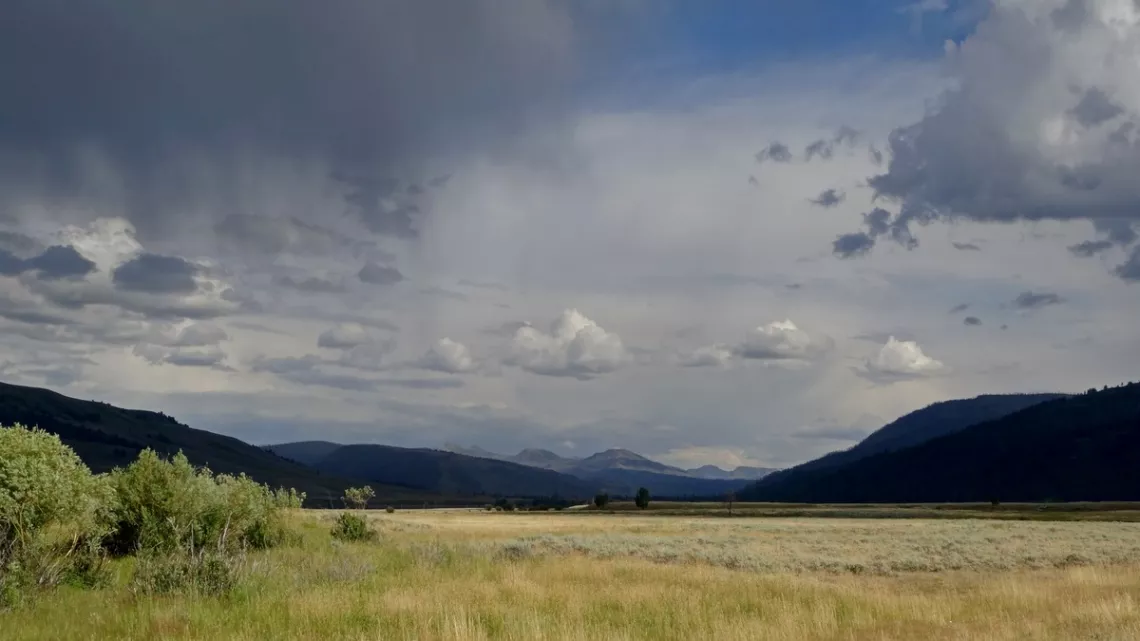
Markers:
{"x": 851, "y": 245}
{"x": 1095, "y": 108}
{"x": 776, "y": 152}
{"x": 19, "y": 244}
{"x": 177, "y": 99}
{"x": 155, "y": 274}
{"x": 959, "y": 308}
{"x": 1090, "y": 248}
{"x": 1130, "y": 270}
{"x": 974, "y": 157}
{"x": 1036, "y": 300}
{"x": 966, "y": 247}
{"x": 971, "y": 320}
{"x": 375, "y": 274}
{"x": 58, "y": 261}
{"x": 829, "y": 198}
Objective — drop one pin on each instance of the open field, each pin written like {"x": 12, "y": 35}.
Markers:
{"x": 1106, "y": 511}
{"x": 464, "y": 576}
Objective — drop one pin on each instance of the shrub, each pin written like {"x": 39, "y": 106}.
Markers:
{"x": 167, "y": 506}
{"x": 358, "y": 497}
{"x": 205, "y": 573}
{"x": 53, "y": 512}
{"x": 390, "y": 509}
{"x": 350, "y": 527}
{"x": 601, "y": 500}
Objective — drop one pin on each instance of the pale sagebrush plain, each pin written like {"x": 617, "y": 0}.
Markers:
{"x": 467, "y": 576}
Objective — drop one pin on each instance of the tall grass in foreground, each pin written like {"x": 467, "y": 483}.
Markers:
{"x": 441, "y": 576}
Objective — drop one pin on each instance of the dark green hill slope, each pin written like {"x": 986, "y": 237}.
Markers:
{"x": 918, "y": 427}
{"x": 105, "y": 436}
{"x": 1078, "y": 448}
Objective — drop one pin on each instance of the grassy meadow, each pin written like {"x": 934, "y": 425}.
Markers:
{"x": 473, "y": 575}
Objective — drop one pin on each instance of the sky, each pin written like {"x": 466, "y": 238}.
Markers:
{"x": 727, "y": 232}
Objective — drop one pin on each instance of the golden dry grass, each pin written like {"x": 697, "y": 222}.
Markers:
{"x": 467, "y": 576}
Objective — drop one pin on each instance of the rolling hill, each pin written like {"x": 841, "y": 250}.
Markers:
{"x": 449, "y": 473}
{"x": 1076, "y": 448}
{"x": 105, "y": 437}
{"x": 918, "y": 427}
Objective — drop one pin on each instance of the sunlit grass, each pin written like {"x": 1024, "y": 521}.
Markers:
{"x": 465, "y": 576}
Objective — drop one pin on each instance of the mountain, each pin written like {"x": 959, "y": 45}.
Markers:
{"x": 105, "y": 436}
{"x": 618, "y": 459}
{"x": 447, "y": 472}
{"x": 544, "y": 459}
{"x": 1074, "y": 448}
{"x": 742, "y": 473}
{"x": 617, "y": 471}
{"x": 922, "y": 425}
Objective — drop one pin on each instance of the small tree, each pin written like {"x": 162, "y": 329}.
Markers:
{"x": 730, "y": 499}
{"x": 358, "y": 497}
{"x": 642, "y": 498}
{"x": 601, "y": 500}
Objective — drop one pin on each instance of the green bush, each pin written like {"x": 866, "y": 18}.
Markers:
{"x": 53, "y": 512}
{"x": 601, "y": 500}
{"x": 350, "y": 527}
{"x": 390, "y": 509}
{"x": 166, "y": 506}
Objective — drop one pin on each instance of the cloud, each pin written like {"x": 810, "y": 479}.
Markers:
{"x": 776, "y": 152}
{"x": 448, "y": 356}
{"x": 708, "y": 356}
{"x": 375, "y": 274}
{"x": 575, "y": 346}
{"x": 188, "y": 345}
{"x": 961, "y": 307}
{"x": 824, "y": 149}
{"x": 900, "y": 360}
{"x": 779, "y": 341}
{"x": 311, "y": 284}
{"x": 971, "y": 320}
{"x": 57, "y": 261}
{"x": 271, "y": 235}
{"x": 852, "y": 245}
{"x": 1036, "y": 300}
{"x": 1090, "y": 248}
{"x": 367, "y": 89}
{"x": 1041, "y": 123}
{"x": 829, "y": 198}
{"x": 155, "y": 274}
{"x": 345, "y": 336}
{"x": 307, "y": 370}
{"x": 966, "y": 247}
{"x": 1130, "y": 270}
{"x": 206, "y": 356}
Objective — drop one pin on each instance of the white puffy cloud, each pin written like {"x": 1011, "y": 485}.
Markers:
{"x": 778, "y": 341}
{"x": 901, "y": 360}
{"x": 575, "y": 346}
{"x": 448, "y": 356}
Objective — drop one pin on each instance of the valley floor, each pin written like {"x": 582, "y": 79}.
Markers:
{"x": 465, "y": 576}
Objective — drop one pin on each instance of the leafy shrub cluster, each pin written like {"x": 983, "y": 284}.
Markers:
{"x": 188, "y": 526}
{"x": 352, "y": 528}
